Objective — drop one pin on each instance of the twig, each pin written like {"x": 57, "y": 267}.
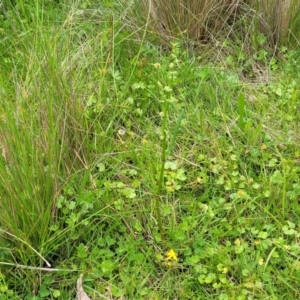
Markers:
{"x": 35, "y": 268}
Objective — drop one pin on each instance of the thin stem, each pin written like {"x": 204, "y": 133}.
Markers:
{"x": 36, "y": 252}
{"x": 36, "y": 268}
{"x": 284, "y": 191}
{"x": 162, "y": 169}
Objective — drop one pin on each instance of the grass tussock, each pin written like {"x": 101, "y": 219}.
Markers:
{"x": 195, "y": 19}
{"x": 38, "y": 153}
{"x": 205, "y": 21}
{"x": 277, "y": 19}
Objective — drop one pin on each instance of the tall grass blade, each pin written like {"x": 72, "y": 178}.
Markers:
{"x": 241, "y": 110}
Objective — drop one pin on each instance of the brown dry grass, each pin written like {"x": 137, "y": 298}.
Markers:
{"x": 203, "y": 20}
{"x": 176, "y": 19}
{"x": 275, "y": 17}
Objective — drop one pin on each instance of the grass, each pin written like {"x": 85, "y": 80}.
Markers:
{"x": 154, "y": 172}
{"x": 206, "y": 21}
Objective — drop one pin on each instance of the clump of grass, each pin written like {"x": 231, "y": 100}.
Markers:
{"x": 197, "y": 20}
{"x": 43, "y": 130}
{"x": 277, "y": 20}
{"x": 202, "y": 22}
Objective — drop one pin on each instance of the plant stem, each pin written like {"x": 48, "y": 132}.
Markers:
{"x": 162, "y": 169}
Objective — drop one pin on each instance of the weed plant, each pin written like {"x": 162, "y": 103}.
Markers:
{"x": 154, "y": 172}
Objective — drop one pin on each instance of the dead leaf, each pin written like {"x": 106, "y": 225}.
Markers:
{"x": 80, "y": 293}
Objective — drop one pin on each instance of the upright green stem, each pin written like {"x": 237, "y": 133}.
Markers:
{"x": 284, "y": 191}
{"x": 162, "y": 169}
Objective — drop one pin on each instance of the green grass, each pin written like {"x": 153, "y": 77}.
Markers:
{"x": 114, "y": 152}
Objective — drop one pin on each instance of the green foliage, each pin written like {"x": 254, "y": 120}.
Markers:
{"x": 154, "y": 172}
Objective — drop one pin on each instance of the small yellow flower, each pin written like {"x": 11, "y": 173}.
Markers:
{"x": 225, "y": 271}
{"x": 240, "y": 193}
{"x": 263, "y": 147}
{"x": 171, "y": 255}
{"x": 261, "y": 261}
{"x": 157, "y": 65}
{"x": 103, "y": 71}
{"x": 237, "y": 241}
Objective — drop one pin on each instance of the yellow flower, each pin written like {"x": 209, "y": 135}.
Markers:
{"x": 237, "y": 241}
{"x": 261, "y": 261}
{"x": 171, "y": 255}
{"x": 263, "y": 147}
{"x": 225, "y": 271}
{"x": 103, "y": 71}
{"x": 240, "y": 193}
